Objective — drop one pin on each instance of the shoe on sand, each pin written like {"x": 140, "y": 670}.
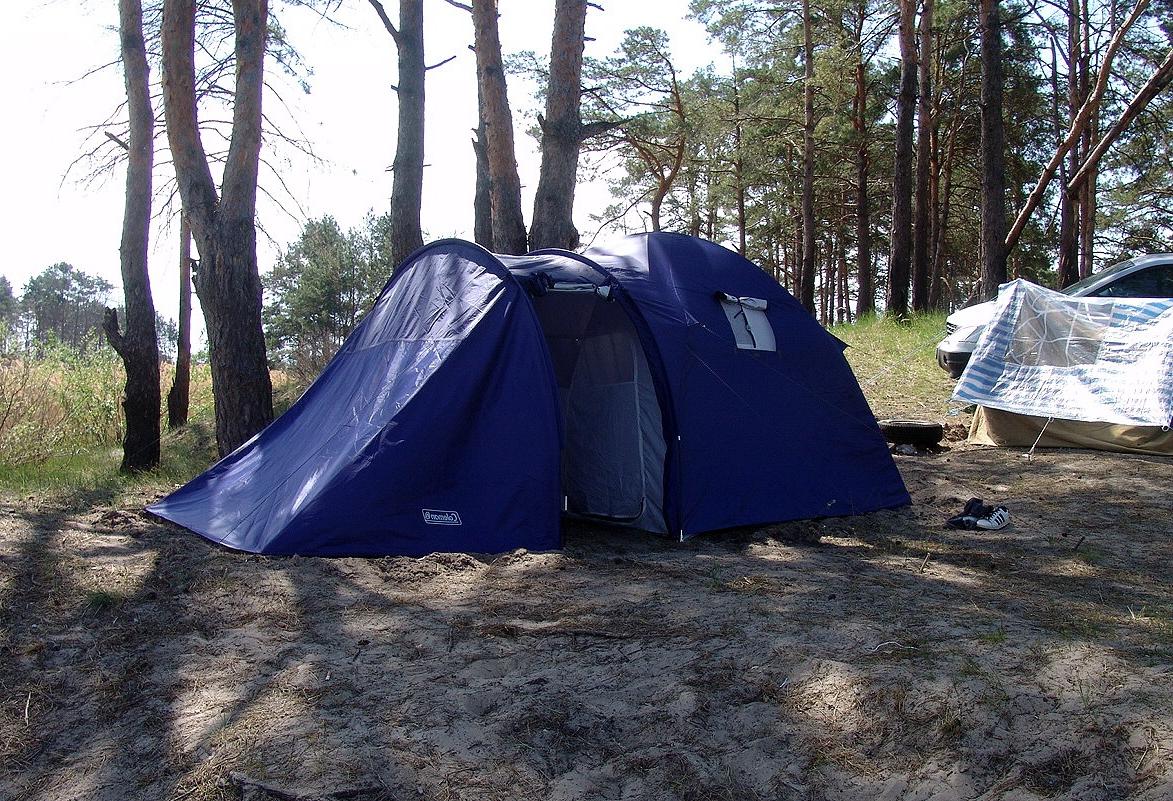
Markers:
{"x": 996, "y": 519}
{"x": 974, "y": 509}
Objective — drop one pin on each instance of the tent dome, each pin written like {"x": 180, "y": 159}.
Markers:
{"x": 663, "y": 382}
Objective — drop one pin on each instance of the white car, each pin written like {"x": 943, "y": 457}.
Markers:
{"x": 1143, "y": 277}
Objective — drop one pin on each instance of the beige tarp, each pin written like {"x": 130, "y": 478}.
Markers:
{"x": 996, "y": 427}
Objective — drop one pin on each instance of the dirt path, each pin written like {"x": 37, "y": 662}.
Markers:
{"x": 881, "y": 656}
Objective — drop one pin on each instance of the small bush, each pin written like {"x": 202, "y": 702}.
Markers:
{"x": 61, "y": 425}
{"x": 58, "y": 402}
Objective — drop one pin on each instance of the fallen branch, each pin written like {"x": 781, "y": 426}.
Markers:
{"x": 1153, "y": 87}
{"x": 1085, "y": 113}
{"x": 251, "y": 786}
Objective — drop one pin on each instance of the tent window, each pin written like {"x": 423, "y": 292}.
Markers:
{"x": 747, "y": 318}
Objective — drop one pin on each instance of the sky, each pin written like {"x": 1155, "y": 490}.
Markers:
{"x": 47, "y": 46}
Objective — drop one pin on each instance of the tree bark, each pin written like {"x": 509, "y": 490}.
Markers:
{"x": 922, "y": 229}
{"x": 694, "y": 202}
{"x": 138, "y": 346}
{"x": 806, "y": 284}
{"x": 562, "y": 132}
{"x": 738, "y": 166}
{"x": 482, "y": 201}
{"x": 505, "y": 190}
{"x": 407, "y": 185}
{"x": 1087, "y": 214}
{"x": 228, "y": 282}
{"x": 178, "y": 398}
{"x": 993, "y": 143}
{"x": 843, "y": 312}
{"x": 1087, "y": 199}
{"x": 940, "y": 287}
{"x": 900, "y": 255}
{"x": 1068, "y": 267}
{"x": 865, "y": 302}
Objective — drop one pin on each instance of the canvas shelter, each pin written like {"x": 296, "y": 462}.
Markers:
{"x": 1085, "y": 372}
{"x": 663, "y": 383}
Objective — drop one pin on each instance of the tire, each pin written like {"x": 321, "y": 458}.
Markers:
{"x": 919, "y": 433}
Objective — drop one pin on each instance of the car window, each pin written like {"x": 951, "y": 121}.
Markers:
{"x": 1076, "y": 289}
{"x": 1154, "y": 282}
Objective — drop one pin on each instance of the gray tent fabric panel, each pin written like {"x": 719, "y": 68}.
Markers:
{"x": 614, "y": 462}
{"x": 613, "y": 459}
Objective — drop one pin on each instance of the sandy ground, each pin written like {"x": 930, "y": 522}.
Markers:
{"x": 882, "y": 656}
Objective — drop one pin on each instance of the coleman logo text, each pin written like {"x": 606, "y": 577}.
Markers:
{"x": 440, "y": 517}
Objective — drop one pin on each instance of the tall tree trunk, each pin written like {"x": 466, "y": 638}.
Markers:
{"x": 806, "y": 287}
{"x": 939, "y": 205}
{"x": 993, "y": 143}
{"x": 1068, "y": 267}
{"x": 138, "y": 345}
{"x": 1068, "y": 244}
{"x": 1087, "y": 214}
{"x": 695, "y": 199}
{"x": 865, "y": 302}
{"x": 843, "y": 312}
{"x": 922, "y": 231}
{"x": 508, "y": 222}
{"x": 407, "y": 185}
{"x": 562, "y": 131}
{"x": 900, "y": 255}
{"x": 482, "y": 201}
{"x": 941, "y": 287}
{"x": 228, "y": 282}
{"x": 738, "y": 165}
{"x": 178, "y": 398}
{"x": 1087, "y": 227}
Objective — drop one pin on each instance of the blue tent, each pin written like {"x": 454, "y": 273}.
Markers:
{"x": 663, "y": 383}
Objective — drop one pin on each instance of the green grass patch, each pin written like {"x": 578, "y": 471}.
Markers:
{"x": 61, "y": 426}
{"x": 994, "y": 636}
{"x": 98, "y": 601}
{"x": 95, "y": 470}
{"x": 896, "y": 365}
{"x": 1090, "y": 554}
{"x": 91, "y": 469}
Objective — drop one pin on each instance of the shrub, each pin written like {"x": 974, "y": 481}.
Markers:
{"x": 60, "y": 401}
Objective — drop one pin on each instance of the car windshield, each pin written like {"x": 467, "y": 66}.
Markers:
{"x": 1084, "y": 283}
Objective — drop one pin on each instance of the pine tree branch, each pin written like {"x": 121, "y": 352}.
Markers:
{"x": 118, "y": 141}
{"x": 440, "y": 63}
{"x": 387, "y": 23}
{"x": 113, "y": 335}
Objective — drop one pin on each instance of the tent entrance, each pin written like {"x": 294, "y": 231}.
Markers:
{"x": 613, "y": 459}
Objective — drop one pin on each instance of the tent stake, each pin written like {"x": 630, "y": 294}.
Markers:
{"x": 1043, "y": 430}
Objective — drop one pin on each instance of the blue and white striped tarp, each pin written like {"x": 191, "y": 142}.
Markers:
{"x": 1107, "y": 360}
